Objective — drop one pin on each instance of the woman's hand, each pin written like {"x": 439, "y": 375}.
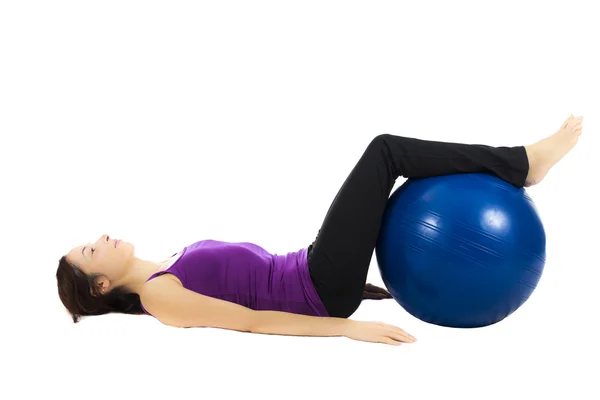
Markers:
{"x": 377, "y": 332}
{"x": 373, "y": 292}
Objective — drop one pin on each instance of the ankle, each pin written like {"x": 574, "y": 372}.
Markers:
{"x": 531, "y": 155}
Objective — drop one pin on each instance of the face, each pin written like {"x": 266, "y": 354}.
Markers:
{"x": 102, "y": 257}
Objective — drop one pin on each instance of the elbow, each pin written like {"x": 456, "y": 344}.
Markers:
{"x": 248, "y": 322}
{"x": 242, "y": 322}
{"x": 259, "y": 321}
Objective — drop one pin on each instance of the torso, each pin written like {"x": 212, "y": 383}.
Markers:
{"x": 239, "y": 272}
{"x": 166, "y": 277}
{"x": 170, "y": 261}
{"x": 166, "y": 264}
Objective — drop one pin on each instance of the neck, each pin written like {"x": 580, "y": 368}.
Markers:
{"x": 138, "y": 273}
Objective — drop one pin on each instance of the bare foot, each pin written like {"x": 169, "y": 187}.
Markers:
{"x": 544, "y": 154}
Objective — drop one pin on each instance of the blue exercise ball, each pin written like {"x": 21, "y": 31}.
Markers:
{"x": 463, "y": 250}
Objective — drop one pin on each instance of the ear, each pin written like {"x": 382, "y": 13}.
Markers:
{"x": 102, "y": 284}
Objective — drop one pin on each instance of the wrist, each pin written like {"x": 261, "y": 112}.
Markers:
{"x": 345, "y": 326}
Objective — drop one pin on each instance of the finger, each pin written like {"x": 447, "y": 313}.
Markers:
{"x": 391, "y": 341}
{"x": 408, "y": 335}
{"x": 392, "y": 329}
{"x": 383, "y": 295}
{"x": 369, "y": 295}
{"x": 370, "y": 287}
{"x": 405, "y": 338}
{"x": 375, "y": 289}
{"x": 377, "y": 295}
{"x": 374, "y": 296}
{"x": 402, "y": 336}
{"x": 405, "y": 335}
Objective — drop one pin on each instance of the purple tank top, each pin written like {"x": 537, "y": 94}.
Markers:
{"x": 246, "y": 274}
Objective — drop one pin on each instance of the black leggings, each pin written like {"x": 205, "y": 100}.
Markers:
{"x": 340, "y": 256}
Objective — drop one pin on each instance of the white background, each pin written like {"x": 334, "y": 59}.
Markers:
{"x": 163, "y": 123}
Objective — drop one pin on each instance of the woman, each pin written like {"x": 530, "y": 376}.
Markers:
{"x": 311, "y": 292}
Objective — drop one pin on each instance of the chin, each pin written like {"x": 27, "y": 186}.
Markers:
{"x": 126, "y": 246}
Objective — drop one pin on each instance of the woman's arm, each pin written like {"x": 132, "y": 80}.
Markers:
{"x": 283, "y": 323}
{"x": 174, "y": 305}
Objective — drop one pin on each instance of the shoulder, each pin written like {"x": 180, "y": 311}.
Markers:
{"x": 164, "y": 282}
{"x": 172, "y": 304}
{"x": 157, "y": 290}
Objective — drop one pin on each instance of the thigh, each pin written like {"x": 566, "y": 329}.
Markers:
{"x": 340, "y": 256}
{"x": 339, "y": 299}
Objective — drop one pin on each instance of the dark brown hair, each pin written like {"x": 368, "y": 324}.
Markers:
{"x": 80, "y": 295}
